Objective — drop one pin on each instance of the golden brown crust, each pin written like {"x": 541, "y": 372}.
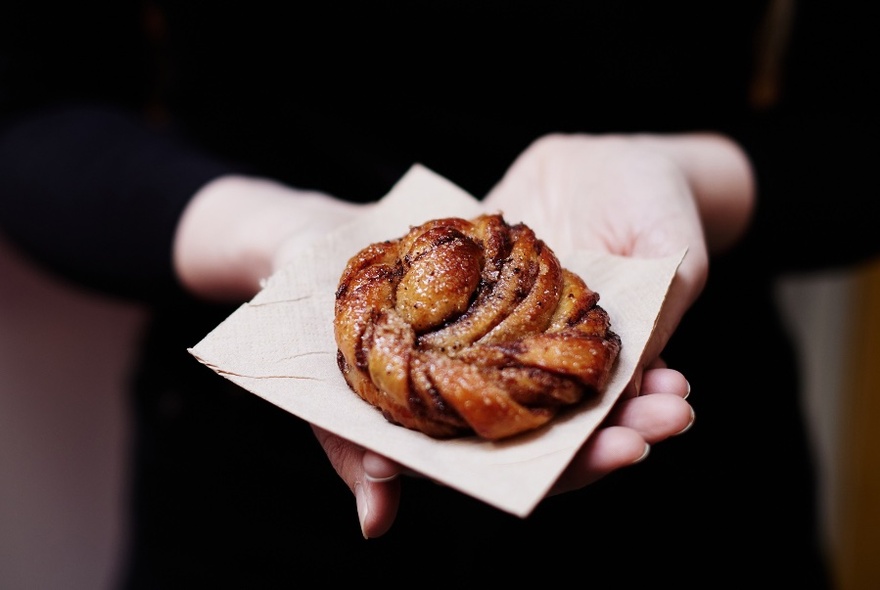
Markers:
{"x": 470, "y": 327}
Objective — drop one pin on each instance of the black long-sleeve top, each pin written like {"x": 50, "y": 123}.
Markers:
{"x": 114, "y": 113}
{"x": 345, "y": 100}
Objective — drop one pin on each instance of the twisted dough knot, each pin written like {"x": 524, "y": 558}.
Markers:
{"x": 469, "y": 327}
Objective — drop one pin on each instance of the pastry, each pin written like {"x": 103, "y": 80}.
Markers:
{"x": 470, "y": 327}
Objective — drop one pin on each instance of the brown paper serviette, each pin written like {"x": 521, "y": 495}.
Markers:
{"x": 280, "y": 346}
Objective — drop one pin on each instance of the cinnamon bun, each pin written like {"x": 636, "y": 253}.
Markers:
{"x": 470, "y": 327}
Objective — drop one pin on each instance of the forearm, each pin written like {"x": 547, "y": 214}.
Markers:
{"x": 237, "y": 230}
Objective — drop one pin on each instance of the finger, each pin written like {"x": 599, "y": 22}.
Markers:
{"x": 379, "y": 468}
{"x": 630, "y": 430}
{"x": 608, "y": 449}
{"x": 654, "y": 417}
{"x": 377, "y": 493}
{"x": 377, "y": 503}
{"x": 663, "y": 380}
{"x": 645, "y": 380}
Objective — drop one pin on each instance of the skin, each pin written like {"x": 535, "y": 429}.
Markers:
{"x": 633, "y": 195}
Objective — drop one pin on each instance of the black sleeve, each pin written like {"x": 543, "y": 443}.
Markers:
{"x": 95, "y": 195}
{"x": 815, "y": 154}
{"x": 89, "y": 187}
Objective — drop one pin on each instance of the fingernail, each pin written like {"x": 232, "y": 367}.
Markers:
{"x": 689, "y": 389}
{"x": 369, "y": 477}
{"x": 363, "y": 508}
{"x": 689, "y": 424}
{"x": 644, "y": 455}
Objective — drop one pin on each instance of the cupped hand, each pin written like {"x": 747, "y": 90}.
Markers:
{"x": 641, "y": 196}
{"x": 611, "y": 194}
{"x": 623, "y": 439}
{"x": 644, "y": 196}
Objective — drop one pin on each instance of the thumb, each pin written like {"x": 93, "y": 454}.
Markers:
{"x": 373, "y": 479}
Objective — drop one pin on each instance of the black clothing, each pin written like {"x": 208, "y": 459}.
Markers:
{"x": 114, "y": 113}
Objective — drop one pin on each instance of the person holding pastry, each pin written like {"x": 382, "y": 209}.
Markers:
{"x": 178, "y": 157}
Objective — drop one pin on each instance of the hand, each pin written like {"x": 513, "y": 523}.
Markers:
{"x": 642, "y": 196}
{"x": 646, "y": 196}
{"x": 624, "y": 439}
